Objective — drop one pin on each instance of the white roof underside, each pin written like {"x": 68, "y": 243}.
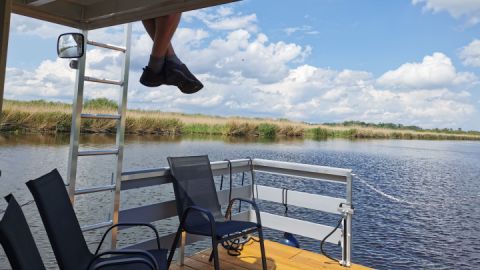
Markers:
{"x": 92, "y": 14}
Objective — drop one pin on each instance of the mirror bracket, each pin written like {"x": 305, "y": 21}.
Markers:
{"x": 73, "y": 64}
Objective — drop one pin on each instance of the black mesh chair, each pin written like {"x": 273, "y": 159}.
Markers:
{"x": 17, "y": 240}
{"x": 66, "y": 237}
{"x": 199, "y": 209}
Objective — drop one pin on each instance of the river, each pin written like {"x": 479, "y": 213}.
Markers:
{"x": 417, "y": 203}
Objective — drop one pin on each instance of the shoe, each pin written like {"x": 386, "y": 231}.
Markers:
{"x": 151, "y": 79}
{"x": 181, "y": 77}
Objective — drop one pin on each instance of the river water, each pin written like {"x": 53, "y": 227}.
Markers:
{"x": 416, "y": 202}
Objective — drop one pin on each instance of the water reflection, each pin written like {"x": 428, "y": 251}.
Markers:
{"x": 62, "y": 139}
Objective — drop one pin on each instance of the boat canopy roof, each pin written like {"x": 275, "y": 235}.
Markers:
{"x": 93, "y": 14}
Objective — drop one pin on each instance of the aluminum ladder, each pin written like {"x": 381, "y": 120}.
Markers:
{"x": 77, "y": 116}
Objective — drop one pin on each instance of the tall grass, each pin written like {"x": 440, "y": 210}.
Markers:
{"x": 55, "y": 117}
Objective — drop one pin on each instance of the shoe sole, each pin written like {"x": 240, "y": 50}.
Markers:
{"x": 178, "y": 78}
{"x": 150, "y": 84}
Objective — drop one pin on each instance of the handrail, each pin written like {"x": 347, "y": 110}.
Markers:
{"x": 340, "y": 206}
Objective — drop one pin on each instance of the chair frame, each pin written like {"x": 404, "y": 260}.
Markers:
{"x": 21, "y": 251}
{"x": 218, "y": 240}
{"x": 136, "y": 255}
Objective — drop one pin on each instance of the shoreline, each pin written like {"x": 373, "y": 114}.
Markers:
{"x": 54, "y": 118}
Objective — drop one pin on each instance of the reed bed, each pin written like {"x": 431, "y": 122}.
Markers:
{"x": 53, "y": 117}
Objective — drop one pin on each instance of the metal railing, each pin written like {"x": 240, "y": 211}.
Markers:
{"x": 327, "y": 204}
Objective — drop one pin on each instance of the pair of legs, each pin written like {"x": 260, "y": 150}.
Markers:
{"x": 164, "y": 67}
{"x": 161, "y": 31}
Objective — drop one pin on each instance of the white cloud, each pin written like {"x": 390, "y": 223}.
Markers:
{"x": 27, "y": 26}
{"x": 245, "y": 73}
{"x": 223, "y": 18}
{"x": 434, "y": 71}
{"x": 470, "y": 54}
{"x": 52, "y": 79}
{"x": 240, "y": 52}
{"x": 469, "y": 9}
{"x": 305, "y": 29}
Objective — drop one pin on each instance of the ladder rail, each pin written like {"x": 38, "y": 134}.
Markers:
{"x": 76, "y": 124}
{"x": 100, "y": 116}
{"x": 122, "y": 111}
{"x": 101, "y": 80}
{"x": 106, "y": 46}
{"x": 97, "y": 152}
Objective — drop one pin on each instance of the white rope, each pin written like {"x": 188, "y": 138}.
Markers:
{"x": 388, "y": 196}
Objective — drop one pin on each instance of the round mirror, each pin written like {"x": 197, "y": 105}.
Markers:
{"x": 70, "y": 45}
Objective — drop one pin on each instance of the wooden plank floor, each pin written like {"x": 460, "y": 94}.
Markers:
{"x": 278, "y": 257}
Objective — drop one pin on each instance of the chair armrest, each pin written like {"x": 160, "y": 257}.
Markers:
{"x": 142, "y": 254}
{"x": 228, "y": 214}
{"x": 125, "y": 261}
{"x": 204, "y": 211}
{"x": 129, "y": 225}
{"x": 198, "y": 209}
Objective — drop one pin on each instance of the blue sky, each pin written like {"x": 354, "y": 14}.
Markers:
{"x": 415, "y": 62}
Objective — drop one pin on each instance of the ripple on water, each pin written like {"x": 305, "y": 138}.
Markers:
{"x": 416, "y": 205}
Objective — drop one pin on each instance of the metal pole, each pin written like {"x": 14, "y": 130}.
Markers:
{"x": 76, "y": 121}
{"x": 181, "y": 252}
{"x": 122, "y": 111}
{"x": 347, "y": 260}
{"x": 5, "y": 11}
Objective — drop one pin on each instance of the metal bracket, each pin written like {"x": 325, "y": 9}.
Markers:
{"x": 345, "y": 209}
{"x": 74, "y": 64}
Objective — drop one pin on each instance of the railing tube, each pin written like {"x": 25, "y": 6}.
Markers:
{"x": 347, "y": 226}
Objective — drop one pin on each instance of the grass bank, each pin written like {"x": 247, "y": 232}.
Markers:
{"x": 54, "y": 117}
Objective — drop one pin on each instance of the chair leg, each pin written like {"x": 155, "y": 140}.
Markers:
{"x": 262, "y": 249}
{"x": 211, "y": 256}
{"x": 174, "y": 245}
{"x": 215, "y": 254}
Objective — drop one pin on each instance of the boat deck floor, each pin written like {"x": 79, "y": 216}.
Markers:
{"x": 278, "y": 257}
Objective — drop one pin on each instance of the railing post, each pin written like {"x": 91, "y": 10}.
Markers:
{"x": 5, "y": 11}
{"x": 181, "y": 252}
{"x": 347, "y": 226}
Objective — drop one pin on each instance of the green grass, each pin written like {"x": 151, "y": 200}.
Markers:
{"x": 100, "y": 103}
{"x": 55, "y": 117}
{"x": 267, "y": 130}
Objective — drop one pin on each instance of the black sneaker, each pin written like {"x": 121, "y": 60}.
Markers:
{"x": 151, "y": 79}
{"x": 181, "y": 77}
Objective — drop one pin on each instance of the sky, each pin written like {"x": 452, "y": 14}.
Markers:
{"x": 413, "y": 62}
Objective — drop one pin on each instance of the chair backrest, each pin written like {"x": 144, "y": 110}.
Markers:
{"x": 193, "y": 184}
{"x": 17, "y": 240}
{"x": 60, "y": 221}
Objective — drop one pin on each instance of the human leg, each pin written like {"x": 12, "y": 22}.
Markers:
{"x": 149, "y": 25}
{"x": 165, "y": 27}
{"x": 160, "y": 30}
{"x": 164, "y": 66}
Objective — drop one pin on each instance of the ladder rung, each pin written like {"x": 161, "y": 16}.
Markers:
{"x": 94, "y": 189}
{"x": 106, "y": 46}
{"x": 100, "y": 116}
{"x": 98, "y": 152}
{"x": 97, "y": 226}
{"x": 97, "y": 80}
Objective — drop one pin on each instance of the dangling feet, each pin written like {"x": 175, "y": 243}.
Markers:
{"x": 177, "y": 73}
{"x": 171, "y": 71}
{"x": 152, "y": 75}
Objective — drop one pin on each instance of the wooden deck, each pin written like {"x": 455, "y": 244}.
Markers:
{"x": 278, "y": 257}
